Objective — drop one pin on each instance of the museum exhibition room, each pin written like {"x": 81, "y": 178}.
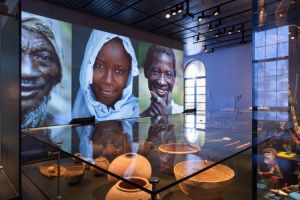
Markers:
{"x": 150, "y": 99}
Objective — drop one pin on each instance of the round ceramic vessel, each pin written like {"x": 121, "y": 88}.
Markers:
{"x": 123, "y": 190}
{"x": 128, "y": 165}
{"x": 101, "y": 162}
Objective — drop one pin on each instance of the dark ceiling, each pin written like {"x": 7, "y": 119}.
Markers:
{"x": 149, "y": 15}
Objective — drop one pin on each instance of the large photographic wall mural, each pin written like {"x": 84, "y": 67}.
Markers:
{"x": 70, "y": 71}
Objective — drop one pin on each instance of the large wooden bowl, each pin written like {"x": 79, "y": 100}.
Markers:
{"x": 210, "y": 184}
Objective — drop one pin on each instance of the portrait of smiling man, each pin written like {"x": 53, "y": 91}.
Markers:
{"x": 160, "y": 71}
{"x": 41, "y": 69}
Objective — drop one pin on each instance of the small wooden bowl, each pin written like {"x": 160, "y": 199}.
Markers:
{"x": 169, "y": 152}
{"x": 74, "y": 174}
{"x": 179, "y": 148}
{"x": 209, "y": 184}
{"x": 51, "y": 170}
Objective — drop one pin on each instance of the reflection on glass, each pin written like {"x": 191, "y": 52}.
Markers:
{"x": 271, "y": 51}
{"x": 271, "y": 36}
{"x": 197, "y": 82}
{"x": 270, "y": 67}
{"x": 189, "y": 91}
{"x": 283, "y": 49}
{"x": 107, "y": 138}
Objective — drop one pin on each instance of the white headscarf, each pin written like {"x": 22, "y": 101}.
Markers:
{"x": 85, "y": 103}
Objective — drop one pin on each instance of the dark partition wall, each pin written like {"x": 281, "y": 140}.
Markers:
{"x": 9, "y": 105}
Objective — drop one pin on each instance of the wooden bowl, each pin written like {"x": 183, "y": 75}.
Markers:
{"x": 74, "y": 174}
{"x": 169, "y": 152}
{"x": 51, "y": 170}
{"x": 209, "y": 184}
{"x": 179, "y": 148}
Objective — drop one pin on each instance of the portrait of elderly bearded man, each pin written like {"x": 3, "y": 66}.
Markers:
{"x": 41, "y": 68}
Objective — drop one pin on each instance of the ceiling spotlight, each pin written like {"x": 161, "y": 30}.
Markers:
{"x": 174, "y": 11}
{"x": 168, "y": 15}
{"x": 217, "y": 11}
{"x": 292, "y": 37}
{"x": 230, "y": 31}
{"x": 241, "y": 28}
{"x": 210, "y": 28}
{"x": 211, "y": 51}
{"x": 198, "y": 37}
{"x": 205, "y": 49}
{"x": 201, "y": 17}
{"x": 179, "y": 8}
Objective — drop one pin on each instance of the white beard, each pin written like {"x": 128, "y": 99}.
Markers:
{"x": 36, "y": 116}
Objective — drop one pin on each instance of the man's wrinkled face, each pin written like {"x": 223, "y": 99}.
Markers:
{"x": 39, "y": 67}
{"x": 161, "y": 75}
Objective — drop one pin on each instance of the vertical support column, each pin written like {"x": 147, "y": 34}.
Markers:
{"x": 57, "y": 153}
{"x": 154, "y": 181}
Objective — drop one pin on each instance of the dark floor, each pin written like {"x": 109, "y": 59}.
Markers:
{"x": 30, "y": 191}
{"x": 5, "y": 190}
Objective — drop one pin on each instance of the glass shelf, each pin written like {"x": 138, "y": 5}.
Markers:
{"x": 163, "y": 141}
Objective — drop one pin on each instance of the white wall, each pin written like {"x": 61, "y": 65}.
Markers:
{"x": 229, "y": 74}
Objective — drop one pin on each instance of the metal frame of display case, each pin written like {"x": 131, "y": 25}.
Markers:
{"x": 223, "y": 117}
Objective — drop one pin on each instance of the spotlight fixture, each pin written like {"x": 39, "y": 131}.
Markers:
{"x": 187, "y": 13}
{"x": 241, "y": 28}
{"x": 174, "y": 12}
{"x": 217, "y": 11}
{"x": 218, "y": 33}
{"x": 168, "y": 14}
{"x": 211, "y": 51}
{"x": 230, "y": 31}
{"x": 293, "y": 33}
{"x": 198, "y": 37}
{"x": 179, "y": 8}
{"x": 210, "y": 28}
{"x": 205, "y": 49}
{"x": 201, "y": 17}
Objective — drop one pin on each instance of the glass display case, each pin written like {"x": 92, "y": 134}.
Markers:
{"x": 184, "y": 155}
